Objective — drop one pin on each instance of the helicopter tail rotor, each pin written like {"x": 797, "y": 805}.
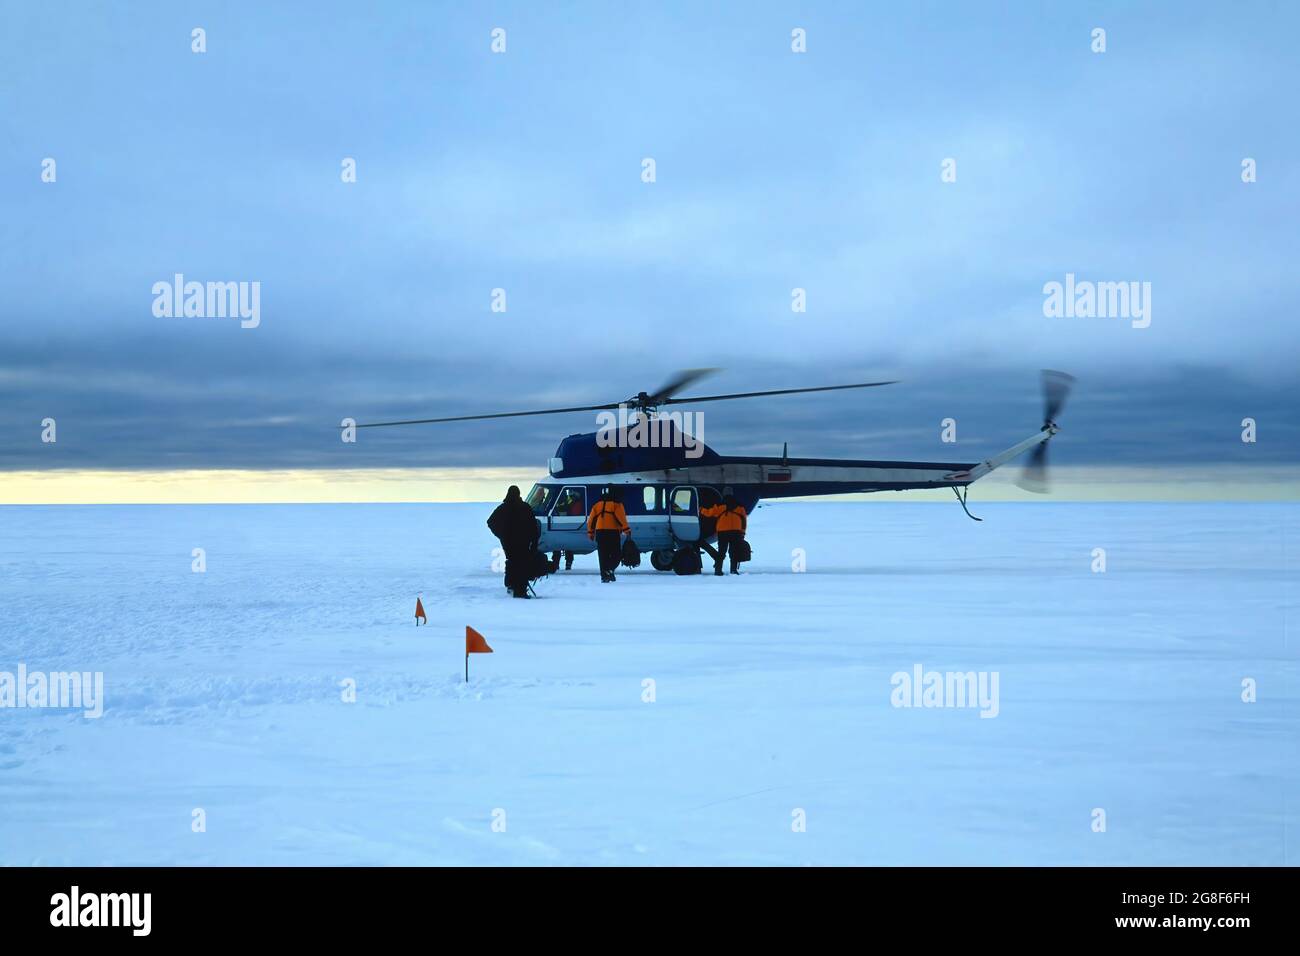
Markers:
{"x": 1056, "y": 389}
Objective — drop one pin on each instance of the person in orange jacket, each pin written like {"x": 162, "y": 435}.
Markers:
{"x": 732, "y": 522}
{"x": 606, "y": 525}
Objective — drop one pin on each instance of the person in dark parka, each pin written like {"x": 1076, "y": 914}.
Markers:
{"x": 514, "y": 523}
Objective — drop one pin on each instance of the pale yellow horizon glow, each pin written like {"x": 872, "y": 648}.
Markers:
{"x": 309, "y": 486}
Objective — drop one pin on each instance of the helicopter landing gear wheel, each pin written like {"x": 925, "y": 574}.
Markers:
{"x": 662, "y": 560}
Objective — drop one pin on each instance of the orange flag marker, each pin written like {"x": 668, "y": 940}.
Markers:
{"x": 419, "y": 613}
{"x": 474, "y": 644}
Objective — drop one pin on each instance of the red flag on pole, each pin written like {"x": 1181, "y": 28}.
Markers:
{"x": 419, "y": 613}
{"x": 474, "y": 644}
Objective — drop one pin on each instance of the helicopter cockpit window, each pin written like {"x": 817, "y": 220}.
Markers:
{"x": 683, "y": 501}
{"x": 572, "y": 503}
{"x": 537, "y": 498}
{"x": 650, "y": 496}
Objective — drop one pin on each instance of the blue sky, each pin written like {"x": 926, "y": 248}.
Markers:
{"x": 522, "y": 171}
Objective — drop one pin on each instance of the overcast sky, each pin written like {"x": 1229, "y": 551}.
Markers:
{"x": 522, "y": 171}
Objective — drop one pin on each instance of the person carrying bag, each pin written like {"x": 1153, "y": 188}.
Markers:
{"x": 733, "y": 521}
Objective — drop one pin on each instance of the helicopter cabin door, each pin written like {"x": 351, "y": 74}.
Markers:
{"x": 567, "y": 523}
{"x": 684, "y": 514}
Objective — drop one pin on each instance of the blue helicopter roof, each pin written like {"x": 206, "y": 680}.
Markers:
{"x": 584, "y": 455}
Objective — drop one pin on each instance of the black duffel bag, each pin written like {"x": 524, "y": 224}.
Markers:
{"x": 631, "y": 556}
{"x": 539, "y": 566}
{"x": 687, "y": 561}
{"x": 742, "y": 551}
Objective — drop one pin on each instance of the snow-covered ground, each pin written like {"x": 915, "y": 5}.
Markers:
{"x": 1119, "y": 690}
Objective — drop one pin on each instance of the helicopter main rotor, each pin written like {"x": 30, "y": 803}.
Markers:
{"x": 645, "y": 402}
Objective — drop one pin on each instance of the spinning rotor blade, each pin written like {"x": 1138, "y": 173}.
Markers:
{"x": 777, "y": 391}
{"x": 661, "y": 397}
{"x": 683, "y": 378}
{"x": 476, "y": 418}
{"x": 1056, "y": 389}
{"x": 1034, "y": 477}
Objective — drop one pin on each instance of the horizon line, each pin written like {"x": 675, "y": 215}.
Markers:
{"x": 1115, "y": 483}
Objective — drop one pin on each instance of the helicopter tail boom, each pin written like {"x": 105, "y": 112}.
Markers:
{"x": 998, "y": 460}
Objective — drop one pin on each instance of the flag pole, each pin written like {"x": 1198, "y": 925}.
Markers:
{"x": 466, "y": 666}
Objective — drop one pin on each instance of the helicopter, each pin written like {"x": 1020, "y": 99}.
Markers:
{"x": 666, "y": 476}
